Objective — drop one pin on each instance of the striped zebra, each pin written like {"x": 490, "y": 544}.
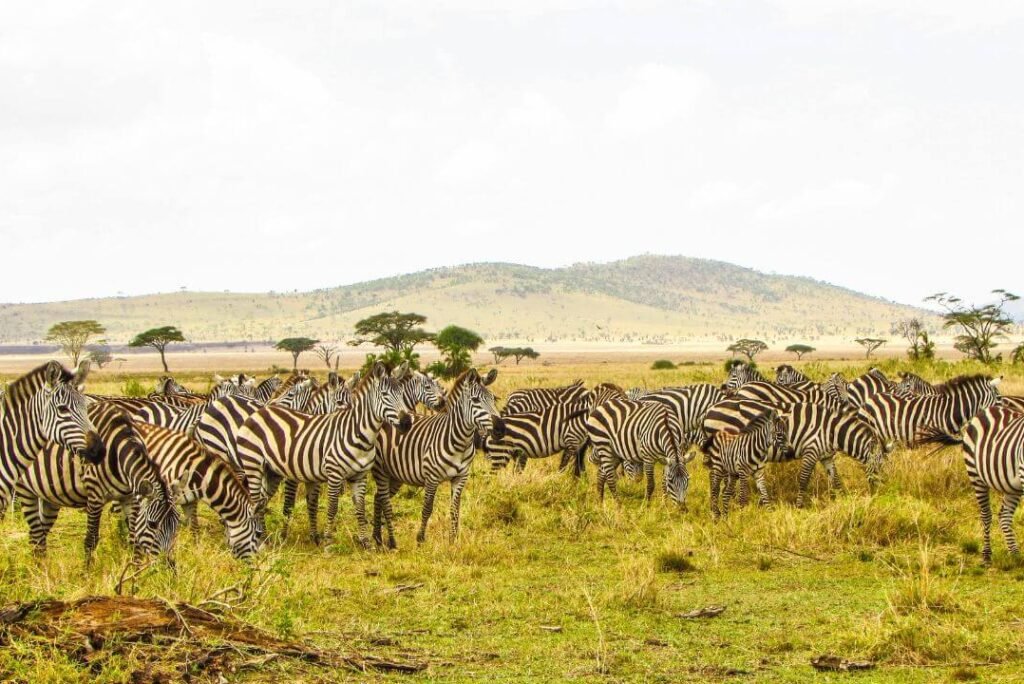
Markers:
{"x": 786, "y": 375}
{"x": 265, "y": 390}
{"x": 44, "y": 404}
{"x": 910, "y": 420}
{"x": 125, "y": 474}
{"x": 621, "y": 430}
{"x": 912, "y": 385}
{"x": 777, "y": 395}
{"x": 277, "y": 443}
{"x": 743, "y": 454}
{"x": 539, "y": 434}
{"x": 438, "y": 448}
{"x": 207, "y": 478}
{"x": 173, "y": 416}
{"x": 865, "y": 386}
{"x": 539, "y": 398}
{"x": 835, "y": 389}
{"x": 637, "y": 393}
{"x": 687, "y": 406}
{"x": 739, "y": 375}
{"x": 814, "y": 434}
{"x": 1014, "y": 403}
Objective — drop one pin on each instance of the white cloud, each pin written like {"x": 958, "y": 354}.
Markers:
{"x": 840, "y": 195}
{"x": 658, "y": 95}
{"x": 468, "y": 164}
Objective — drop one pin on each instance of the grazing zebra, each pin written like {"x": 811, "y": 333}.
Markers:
{"x": 912, "y": 385}
{"x": 277, "y": 443}
{"x": 539, "y": 398}
{"x": 687, "y": 406}
{"x": 438, "y": 448}
{"x": 44, "y": 404}
{"x": 621, "y": 430}
{"x": 861, "y": 388}
{"x": 205, "y": 477}
{"x": 1014, "y": 403}
{"x": 743, "y": 454}
{"x": 814, "y": 434}
{"x": 787, "y": 375}
{"x": 558, "y": 428}
{"x": 125, "y": 474}
{"x": 910, "y": 420}
{"x": 777, "y": 395}
{"x": 739, "y": 375}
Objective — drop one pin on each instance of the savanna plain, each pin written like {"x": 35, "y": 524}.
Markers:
{"x": 546, "y": 583}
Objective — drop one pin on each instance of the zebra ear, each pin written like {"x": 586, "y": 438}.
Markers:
{"x": 333, "y": 380}
{"x": 53, "y": 374}
{"x": 178, "y": 487}
{"x": 379, "y": 371}
{"x": 145, "y": 490}
{"x": 995, "y": 381}
{"x": 400, "y": 372}
{"x": 490, "y": 377}
{"x": 81, "y": 374}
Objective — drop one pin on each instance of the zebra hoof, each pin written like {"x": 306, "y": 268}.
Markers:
{"x": 364, "y": 543}
{"x": 421, "y": 537}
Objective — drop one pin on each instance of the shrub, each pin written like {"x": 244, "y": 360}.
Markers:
{"x": 663, "y": 364}
{"x": 133, "y": 388}
{"x": 674, "y": 561}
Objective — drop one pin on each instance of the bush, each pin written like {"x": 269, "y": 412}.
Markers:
{"x": 663, "y": 364}
{"x": 674, "y": 561}
{"x": 133, "y": 388}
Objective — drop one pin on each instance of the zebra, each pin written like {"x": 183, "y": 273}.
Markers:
{"x": 420, "y": 388}
{"x": 912, "y": 385}
{"x": 778, "y": 395}
{"x": 637, "y": 393}
{"x": 621, "y": 430}
{"x": 44, "y": 404}
{"x": 265, "y": 390}
{"x": 861, "y": 388}
{"x": 787, "y": 375}
{"x": 438, "y": 448}
{"x": 1014, "y": 403}
{"x": 539, "y": 398}
{"x": 743, "y": 453}
{"x": 912, "y": 420}
{"x": 739, "y": 375}
{"x": 125, "y": 474}
{"x": 814, "y": 433}
{"x": 205, "y": 477}
{"x": 688, "y": 406}
{"x": 171, "y": 416}
{"x": 560, "y": 427}
{"x": 277, "y": 443}
{"x": 835, "y": 389}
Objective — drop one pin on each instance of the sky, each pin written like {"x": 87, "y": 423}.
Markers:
{"x": 255, "y": 146}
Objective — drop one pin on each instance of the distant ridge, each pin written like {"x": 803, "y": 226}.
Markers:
{"x": 648, "y": 298}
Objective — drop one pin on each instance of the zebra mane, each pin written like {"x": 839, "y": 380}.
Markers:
{"x": 960, "y": 381}
{"x": 288, "y": 383}
{"x": 24, "y": 388}
{"x": 457, "y": 385}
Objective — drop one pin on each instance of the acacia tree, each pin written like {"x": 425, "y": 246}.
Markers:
{"x": 295, "y": 346}
{"x": 457, "y": 345}
{"x": 800, "y": 350}
{"x": 870, "y": 344}
{"x": 913, "y": 331}
{"x": 398, "y": 333}
{"x": 749, "y": 348}
{"x": 520, "y": 353}
{"x": 158, "y": 338}
{"x": 72, "y": 336}
{"x": 99, "y": 354}
{"x": 981, "y": 327}
{"x": 500, "y": 354}
{"x": 326, "y": 352}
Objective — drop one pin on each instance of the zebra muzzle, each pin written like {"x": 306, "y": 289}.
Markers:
{"x": 93, "y": 451}
{"x": 404, "y": 422}
{"x": 497, "y": 427}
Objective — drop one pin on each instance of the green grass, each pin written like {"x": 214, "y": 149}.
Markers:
{"x": 894, "y": 578}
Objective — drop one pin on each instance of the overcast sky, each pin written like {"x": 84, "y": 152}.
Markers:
{"x": 288, "y": 145}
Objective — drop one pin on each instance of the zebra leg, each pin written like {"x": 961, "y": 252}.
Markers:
{"x": 335, "y": 486}
{"x": 715, "y": 479}
{"x": 312, "y": 508}
{"x": 291, "y": 490}
{"x": 730, "y": 489}
{"x": 1006, "y": 512}
{"x": 605, "y": 469}
{"x": 359, "y": 504}
{"x": 389, "y": 513}
{"x": 192, "y": 516}
{"x": 32, "y": 509}
{"x": 93, "y": 511}
{"x": 762, "y": 488}
{"x": 744, "y": 489}
{"x": 520, "y": 462}
{"x": 649, "y": 474}
{"x": 834, "y": 481}
{"x": 430, "y": 490}
{"x": 807, "y": 464}
{"x": 981, "y": 495}
{"x": 458, "y": 484}
{"x": 381, "y": 495}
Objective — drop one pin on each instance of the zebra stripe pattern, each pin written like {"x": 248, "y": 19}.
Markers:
{"x": 277, "y": 443}
{"x": 739, "y": 375}
{"x": 207, "y": 478}
{"x": 918, "y": 419}
{"x": 776, "y": 395}
{"x": 438, "y": 448}
{"x": 743, "y": 453}
{"x": 125, "y": 474}
{"x": 561, "y": 427}
{"x": 687, "y": 406}
{"x": 787, "y": 375}
{"x": 912, "y": 385}
{"x": 44, "y": 404}
{"x": 861, "y": 388}
{"x": 539, "y": 398}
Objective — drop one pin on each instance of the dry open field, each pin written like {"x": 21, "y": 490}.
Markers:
{"x": 547, "y": 584}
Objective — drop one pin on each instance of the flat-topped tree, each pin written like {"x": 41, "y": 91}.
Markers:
{"x": 981, "y": 327}
{"x": 520, "y": 353}
{"x": 295, "y": 346}
{"x": 500, "y": 354}
{"x": 72, "y": 336}
{"x": 457, "y": 345}
{"x": 158, "y": 338}
{"x": 749, "y": 348}
{"x": 870, "y": 344}
{"x": 398, "y": 333}
{"x": 800, "y": 350}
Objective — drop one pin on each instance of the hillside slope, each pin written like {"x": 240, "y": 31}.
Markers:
{"x": 640, "y": 299}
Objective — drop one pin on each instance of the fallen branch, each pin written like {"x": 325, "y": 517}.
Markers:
{"x": 707, "y": 612}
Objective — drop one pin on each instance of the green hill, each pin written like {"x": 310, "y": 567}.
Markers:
{"x": 641, "y": 299}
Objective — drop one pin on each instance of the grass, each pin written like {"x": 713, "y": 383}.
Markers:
{"x": 894, "y": 578}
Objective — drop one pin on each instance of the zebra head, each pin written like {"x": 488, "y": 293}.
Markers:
{"x": 604, "y": 392}
{"x": 158, "y": 516}
{"x": 740, "y": 373}
{"x": 787, "y": 375}
{"x": 331, "y": 396}
{"x": 677, "y": 478}
{"x": 471, "y": 395}
{"x": 421, "y": 388}
{"x": 244, "y": 536}
{"x": 634, "y": 470}
{"x": 385, "y": 394}
{"x": 168, "y": 385}
{"x": 63, "y": 411}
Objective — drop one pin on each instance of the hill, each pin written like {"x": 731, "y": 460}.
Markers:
{"x": 655, "y": 299}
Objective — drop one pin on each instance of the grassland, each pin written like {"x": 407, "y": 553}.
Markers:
{"x": 893, "y": 578}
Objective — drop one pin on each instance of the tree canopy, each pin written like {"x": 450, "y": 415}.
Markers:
{"x": 800, "y": 350}
{"x": 870, "y": 344}
{"x": 914, "y": 332}
{"x": 398, "y": 333}
{"x": 749, "y": 348}
{"x": 981, "y": 328}
{"x": 158, "y": 338}
{"x": 295, "y": 346}
{"x": 72, "y": 336}
{"x": 457, "y": 345}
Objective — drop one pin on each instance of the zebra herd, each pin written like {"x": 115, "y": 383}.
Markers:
{"x": 158, "y": 457}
